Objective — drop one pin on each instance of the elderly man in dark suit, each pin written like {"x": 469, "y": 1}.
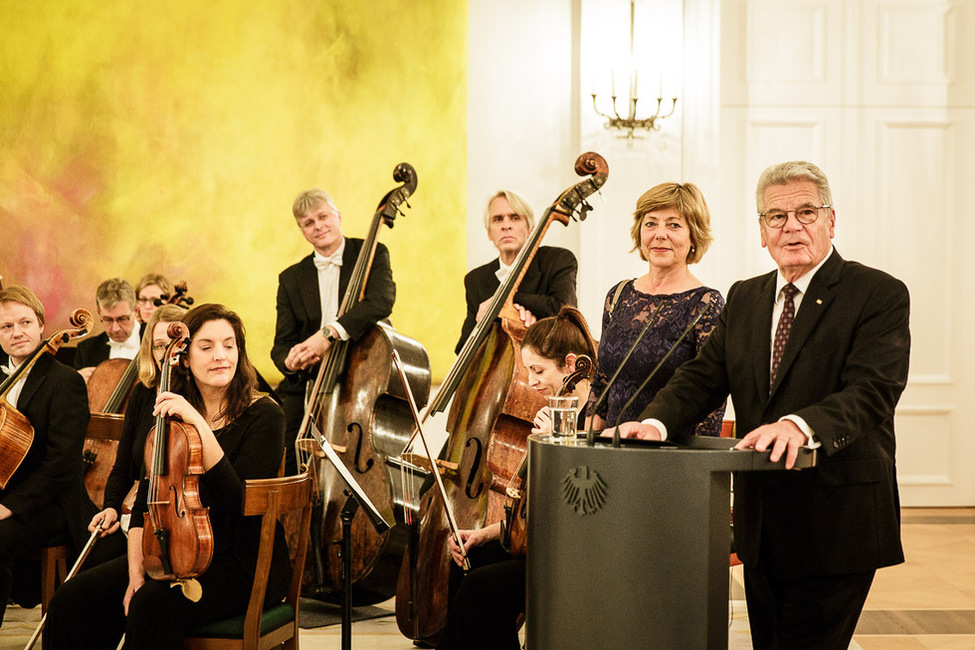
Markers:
{"x": 815, "y": 353}
{"x": 549, "y": 281}
{"x": 44, "y": 500}
{"x": 309, "y": 294}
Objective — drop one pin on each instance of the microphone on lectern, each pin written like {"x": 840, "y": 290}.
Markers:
{"x": 616, "y": 433}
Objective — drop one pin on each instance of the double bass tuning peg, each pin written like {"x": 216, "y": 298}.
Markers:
{"x": 584, "y": 209}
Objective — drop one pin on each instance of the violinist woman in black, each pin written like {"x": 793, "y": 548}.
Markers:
{"x": 486, "y": 603}
{"x": 242, "y": 437}
{"x": 138, "y": 419}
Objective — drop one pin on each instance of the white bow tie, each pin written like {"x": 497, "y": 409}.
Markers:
{"x": 7, "y": 370}
{"x": 322, "y": 262}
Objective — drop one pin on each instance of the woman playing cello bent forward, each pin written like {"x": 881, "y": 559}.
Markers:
{"x": 138, "y": 418}
{"x": 487, "y": 602}
{"x": 243, "y": 438}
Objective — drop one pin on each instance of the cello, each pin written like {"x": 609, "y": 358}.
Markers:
{"x": 108, "y": 393}
{"x": 16, "y": 433}
{"x": 514, "y": 524}
{"x": 487, "y": 428}
{"x": 177, "y": 542}
{"x": 360, "y": 408}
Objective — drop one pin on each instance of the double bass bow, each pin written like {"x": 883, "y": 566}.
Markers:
{"x": 16, "y": 433}
{"x": 513, "y": 526}
{"x": 360, "y": 409}
{"x": 177, "y": 539}
{"x": 487, "y": 425}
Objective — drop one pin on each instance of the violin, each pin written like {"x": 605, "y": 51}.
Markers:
{"x": 513, "y": 526}
{"x": 16, "y": 433}
{"x": 108, "y": 393}
{"x": 177, "y": 542}
{"x": 488, "y": 425}
{"x": 359, "y": 407}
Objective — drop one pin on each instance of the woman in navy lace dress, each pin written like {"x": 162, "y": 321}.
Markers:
{"x": 671, "y": 229}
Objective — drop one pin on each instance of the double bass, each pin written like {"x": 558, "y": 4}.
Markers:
{"x": 360, "y": 407}
{"x": 16, "y": 433}
{"x": 177, "y": 539}
{"x": 108, "y": 393}
{"x": 488, "y": 425}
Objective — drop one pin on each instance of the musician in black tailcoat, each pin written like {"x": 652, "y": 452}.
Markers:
{"x": 815, "y": 353}
{"x": 116, "y": 302}
{"x": 309, "y": 295}
{"x": 44, "y": 502}
{"x": 549, "y": 281}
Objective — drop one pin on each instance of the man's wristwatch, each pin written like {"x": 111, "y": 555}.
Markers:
{"x": 327, "y": 332}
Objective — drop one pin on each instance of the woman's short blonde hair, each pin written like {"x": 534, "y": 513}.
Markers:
{"x": 689, "y": 202}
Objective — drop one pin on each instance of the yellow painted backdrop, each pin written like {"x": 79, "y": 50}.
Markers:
{"x": 173, "y": 136}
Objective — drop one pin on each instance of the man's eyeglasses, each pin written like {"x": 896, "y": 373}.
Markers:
{"x": 121, "y": 320}
{"x": 805, "y": 214}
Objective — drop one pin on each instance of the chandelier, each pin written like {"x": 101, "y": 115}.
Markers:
{"x": 627, "y": 125}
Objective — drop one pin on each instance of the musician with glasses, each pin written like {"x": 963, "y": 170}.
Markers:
{"x": 813, "y": 354}
{"x": 116, "y": 302}
{"x": 151, "y": 287}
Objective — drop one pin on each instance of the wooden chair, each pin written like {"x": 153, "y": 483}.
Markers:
{"x": 54, "y": 571}
{"x": 261, "y": 628}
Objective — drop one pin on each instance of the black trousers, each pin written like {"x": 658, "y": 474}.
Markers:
{"x": 20, "y": 575}
{"x": 817, "y": 612}
{"x": 486, "y": 603}
{"x": 87, "y": 613}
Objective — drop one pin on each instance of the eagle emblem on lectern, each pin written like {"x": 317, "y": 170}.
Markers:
{"x": 583, "y": 490}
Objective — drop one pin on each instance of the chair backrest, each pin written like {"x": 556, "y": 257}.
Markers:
{"x": 272, "y": 498}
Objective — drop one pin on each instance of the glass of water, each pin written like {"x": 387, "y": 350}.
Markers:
{"x": 564, "y": 412}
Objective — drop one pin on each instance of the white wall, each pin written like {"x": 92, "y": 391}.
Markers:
{"x": 879, "y": 93}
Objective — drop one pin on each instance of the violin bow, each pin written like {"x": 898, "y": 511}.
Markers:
{"x": 74, "y": 569}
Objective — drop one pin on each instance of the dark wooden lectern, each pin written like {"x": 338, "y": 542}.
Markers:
{"x": 628, "y": 547}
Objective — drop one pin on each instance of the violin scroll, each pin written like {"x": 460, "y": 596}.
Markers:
{"x": 179, "y": 336}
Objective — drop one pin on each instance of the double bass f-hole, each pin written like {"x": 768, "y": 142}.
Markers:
{"x": 355, "y": 427}
{"x": 478, "y": 450}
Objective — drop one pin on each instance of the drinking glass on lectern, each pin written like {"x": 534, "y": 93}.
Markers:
{"x": 564, "y": 412}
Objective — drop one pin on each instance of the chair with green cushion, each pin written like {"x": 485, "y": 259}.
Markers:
{"x": 256, "y": 629}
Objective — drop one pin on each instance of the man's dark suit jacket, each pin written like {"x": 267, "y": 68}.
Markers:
{"x": 842, "y": 371}
{"x": 549, "y": 283}
{"x": 55, "y": 401}
{"x": 299, "y": 305}
{"x": 92, "y": 351}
